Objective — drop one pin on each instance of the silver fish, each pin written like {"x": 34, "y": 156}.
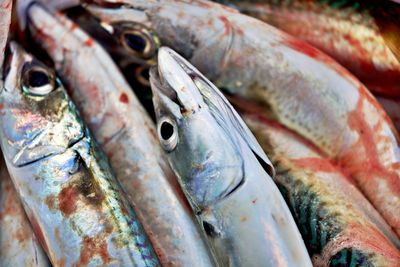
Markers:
{"x": 73, "y": 201}
{"x": 127, "y": 135}
{"x": 298, "y": 85}
{"x": 220, "y": 168}
{"x": 18, "y": 244}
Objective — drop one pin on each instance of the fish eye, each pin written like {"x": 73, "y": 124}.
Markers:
{"x": 38, "y": 81}
{"x": 167, "y": 134}
{"x": 140, "y": 42}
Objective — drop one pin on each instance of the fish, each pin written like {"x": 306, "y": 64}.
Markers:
{"x": 338, "y": 224}
{"x": 222, "y": 170}
{"x": 18, "y": 244}
{"x": 127, "y": 135}
{"x": 297, "y": 85}
{"x": 74, "y": 203}
{"x": 363, "y": 36}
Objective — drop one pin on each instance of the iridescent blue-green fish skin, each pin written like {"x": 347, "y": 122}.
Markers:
{"x": 126, "y": 134}
{"x": 222, "y": 170}
{"x": 18, "y": 244}
{"x": 73, "y": 201}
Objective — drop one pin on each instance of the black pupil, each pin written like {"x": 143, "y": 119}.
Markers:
{"x": 146, "y": 74}
{"x": 38, "y": 78}
{"x": 167, "y": 130}
{"x": 135, "y": 42}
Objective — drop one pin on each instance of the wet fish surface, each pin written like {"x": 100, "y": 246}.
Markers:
{"x": 340, "y": 227}
{"x": 18, "y": 244}
{"x": 363, "y": 36}
{"x": 222, "y": 170}
{"x": 297, "y": 85}
{"x": 127, "y": 135}
{"x": 73, "y": 201}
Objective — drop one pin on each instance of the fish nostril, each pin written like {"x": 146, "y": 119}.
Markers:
{"x": 210, "y": 229}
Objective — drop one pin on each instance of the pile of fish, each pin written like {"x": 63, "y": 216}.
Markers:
{"x": 200, "y": 133}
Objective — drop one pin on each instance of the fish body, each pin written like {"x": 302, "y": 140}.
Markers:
{"x": 219, "y": 166}
{"x": 18, "y": 244}
{"x": 363, "y": 36}
{"x": 127, "y": 135}
{"x": 296, "y": 84}
{"x": 340, "y": 227}
{"x": 73, "y": 201}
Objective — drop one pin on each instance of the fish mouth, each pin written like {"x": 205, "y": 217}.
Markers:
{"x": 174, "y": 79}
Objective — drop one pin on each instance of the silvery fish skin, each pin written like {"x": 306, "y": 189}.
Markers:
{"x": 364, "y": 36}
{"x": 340, "y": 227}
{"x": 126, "y": 134}
{"x": 5, "y": 20}
{"x": 18, "y": 244}
{"x": 298, "y": 85}
{"x": 220, "y": 168}
{"x": 74, "y": 203}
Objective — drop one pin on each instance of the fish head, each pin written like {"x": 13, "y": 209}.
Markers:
{"x": 204, "y": 156}
{"x": 37, "y": 118}
{"x": 186, "y": 26}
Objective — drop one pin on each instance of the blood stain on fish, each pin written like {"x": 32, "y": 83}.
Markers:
{"x": 89, "y": 42}
{"x": 67, "y": 199}
{"x": 123, "y": 98}
{"x": 91, "y": 247}
{"x": 50, "y": 202}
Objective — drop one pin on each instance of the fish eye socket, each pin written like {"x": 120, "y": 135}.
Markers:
{"x": 139, "y": 42}
{"x": 167, "y": 133}
{"x": 38, "y": 82}
{"x": 142, "y": 75}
